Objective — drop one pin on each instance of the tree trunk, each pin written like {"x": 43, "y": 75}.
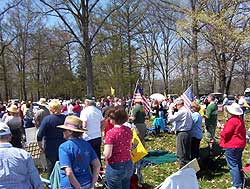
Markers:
{"x": 130, "y": 63}
{"x": 89, "y": 70}
{"x": 194, "y": 46}
{"x": 38, "y": 75}
{"x": 6, "y": 90}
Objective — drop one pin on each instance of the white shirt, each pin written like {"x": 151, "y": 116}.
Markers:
{"x": 93, "y": 117}
{"x": 183, "y": 179}
{"x": 241, "y": 101}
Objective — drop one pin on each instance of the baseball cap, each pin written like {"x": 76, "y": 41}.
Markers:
{"x": 4, "y": 129}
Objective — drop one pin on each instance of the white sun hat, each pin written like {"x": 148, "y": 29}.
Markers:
{"x": 235, "y": 109}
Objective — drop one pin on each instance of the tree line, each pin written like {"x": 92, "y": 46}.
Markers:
{"x": 77, "y": 48}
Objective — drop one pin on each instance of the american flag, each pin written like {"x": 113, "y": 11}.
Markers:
{"x": 188, "y": 98}
{"x": 139, "y": 97}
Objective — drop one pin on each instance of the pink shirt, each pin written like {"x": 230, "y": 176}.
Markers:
{"x": 120, "y": 138}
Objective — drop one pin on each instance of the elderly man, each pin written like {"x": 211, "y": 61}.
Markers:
{"x": 41, "y": 113}
{"x": 17, "y": 168}
{"x": 182, "y": 120}
{"x": 93, "y": 121}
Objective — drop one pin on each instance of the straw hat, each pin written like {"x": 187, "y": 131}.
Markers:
{"x": 72, "y": 123}
{"x": 234, "y": 109}
{"x": 42, "y": 102}
{"x": 12, "y": 108}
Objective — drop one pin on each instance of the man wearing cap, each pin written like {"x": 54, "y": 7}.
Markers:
{"x": 17, "y": 170}
{"x": 233, "y": 140}
{"x": 41, "y": 113}
{"x": 211, "y": 118}
{"x": 182, "y": 127}
{"x": 93, "y": 121}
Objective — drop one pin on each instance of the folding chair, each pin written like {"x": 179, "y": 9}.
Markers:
{"x": 246, "y": 173}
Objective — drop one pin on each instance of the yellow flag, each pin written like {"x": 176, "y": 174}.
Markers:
{"x": 112, "y": 91}
{"x": 138, "y": 151}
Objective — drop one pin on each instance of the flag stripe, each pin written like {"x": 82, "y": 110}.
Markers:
{"x": 187, "y": 96}
{"x": 139, "y": 97}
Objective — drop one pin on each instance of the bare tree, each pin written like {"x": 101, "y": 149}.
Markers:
{"x": 83, "y": 12}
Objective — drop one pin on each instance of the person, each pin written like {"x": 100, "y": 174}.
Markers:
{"x": 242, "y": 103}
{"x": 93, "y": 121}
{"x": 28, "y": 116}
{"x": 52, "y": 135}
{"x": 17, "y": 169}
{"x": 196, "y": 131}
{"x": 75, "y": 157}
{"x": 41, "y": 113}
{"x": 138, "y": 118}
{"x": 233, "y": 140}
{"x": 108, "y": 123}
{"x": 211, "y": 118}
{"x": 117, "y": 146}
{"x": 77, "y": 108}
{"x": 224, "y": 104}
{"x": 15, "y": 124}
{"x": 156, "y": 109}
{"x": 182, "y": 127}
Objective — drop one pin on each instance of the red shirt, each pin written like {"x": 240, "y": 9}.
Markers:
{"x": 233, "y": 134}
{"x": 77, "y": 108}
{"x": 120, "y": 138}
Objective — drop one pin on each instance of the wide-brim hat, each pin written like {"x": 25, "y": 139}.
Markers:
{"x": 73, "y": 123}
{"x": 235, "y": 109}
{"x": 42, "y": 102}
{"x": 13, "y": 108}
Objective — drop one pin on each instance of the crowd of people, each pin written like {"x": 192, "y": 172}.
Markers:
{"x": 72, "y": 133}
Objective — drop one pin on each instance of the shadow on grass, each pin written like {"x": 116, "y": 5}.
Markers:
{"x": 212, "y": 163}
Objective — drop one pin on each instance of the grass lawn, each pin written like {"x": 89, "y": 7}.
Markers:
{"x": 215, "y": 175}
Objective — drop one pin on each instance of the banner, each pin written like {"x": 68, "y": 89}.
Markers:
{"x": 112, "y": 90}
{"x": 138, "y": 151}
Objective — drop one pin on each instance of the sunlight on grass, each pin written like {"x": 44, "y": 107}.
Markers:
{"x": 218, "y": 177}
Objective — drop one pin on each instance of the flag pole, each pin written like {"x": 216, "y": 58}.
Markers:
{"x": 130, "y": 108}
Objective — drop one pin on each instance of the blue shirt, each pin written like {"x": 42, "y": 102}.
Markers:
{"x": 77, "y": 154}
{"x": 53, "y": 136}
{"x": 182, "y": 119}
{"x": 197, "y": 125}
{"x": 17, "y": 169}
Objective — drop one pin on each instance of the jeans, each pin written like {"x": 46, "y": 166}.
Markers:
{"x": 96, "y": 145}
{"x": 195, "y": 148}
{"x": 118, "y": 175}
{"x": 233, "y": 157}
{"x": 51, "y": 161}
